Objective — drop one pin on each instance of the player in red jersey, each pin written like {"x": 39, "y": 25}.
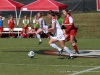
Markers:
{"x": 70, "y": 29}
{"x": 11, "y": 24}
{"x": 1, "y": 25}
{"x": 25, "y": 26}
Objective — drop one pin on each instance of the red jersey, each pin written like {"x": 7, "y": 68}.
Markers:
{"x": 68, "y": 27}
{"x": 11, "y": 22}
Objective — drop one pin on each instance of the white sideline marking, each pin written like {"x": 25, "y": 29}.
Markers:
{"x": 85, "y": 70}
{"x": 46, "y": 65}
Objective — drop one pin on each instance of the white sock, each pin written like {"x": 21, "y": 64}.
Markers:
{"x": 55, "y": 46}
{"x": 39, "y": 38}
{"x": 68, "y": 51}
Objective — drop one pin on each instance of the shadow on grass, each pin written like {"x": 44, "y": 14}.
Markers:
{"x": 43, "y": 52}
{"x": 37, "y": 52}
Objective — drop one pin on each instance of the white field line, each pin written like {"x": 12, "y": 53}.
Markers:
{"x": 85, "y": 70}
{"x": 47, "y": 65}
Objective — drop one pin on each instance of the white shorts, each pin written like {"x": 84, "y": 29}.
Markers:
{"x": 60, "y": 36}
{"x": 45, "y": 31}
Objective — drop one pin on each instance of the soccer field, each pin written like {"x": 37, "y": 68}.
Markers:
{"x": 15, "y": 61}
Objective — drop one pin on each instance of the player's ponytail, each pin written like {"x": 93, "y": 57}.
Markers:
{"x": 40, "y": 14}
{"x": 68, "y": 11}
{"x": 51, "y": 13}
{"x": 58, "y": 14}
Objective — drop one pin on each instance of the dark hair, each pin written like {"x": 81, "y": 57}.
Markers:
{"x": 68, "y": 11}
{"x": 51, "y": 13}
{"x": 40, "y": 13}
{"x": 58, "y": 14}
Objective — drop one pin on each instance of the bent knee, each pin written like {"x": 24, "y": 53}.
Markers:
{"x": 49, "y": 43}
{"x": 71, "y": 41}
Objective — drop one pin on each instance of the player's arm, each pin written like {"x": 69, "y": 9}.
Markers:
{"x": 8, "y": 22}
{"x": 52, "y": 27}
{"x": 23, "y": 22}
{"x": 27, "y": 21}
{"x": 3, "y": 18}
{"x": 14, "y": 22}
{"x": 40, "y": 22}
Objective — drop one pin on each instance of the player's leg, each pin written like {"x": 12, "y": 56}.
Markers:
{"x": 67, "y": 37}
{"x": 53, "y": 45}
{"x": 38, "y": 35}
{"x": 0, "y": 33}
{"x": 62, "y": 43}
{"x": 12, "y": 32}
{"x": 9, "y": 32}
{"x": 73, "y": 44}
{"x": 1, "y": 30}
{"x": 26, "y": 31}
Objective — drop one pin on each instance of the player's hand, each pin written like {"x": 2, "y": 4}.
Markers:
{"x": 45, "y": 28}
{"x": 62, "y": 24}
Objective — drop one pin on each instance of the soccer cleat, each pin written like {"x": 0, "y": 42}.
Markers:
{"x": 71, "y": 57}
{"x": 60, "y": 52}
{"x": 40, "y": 42}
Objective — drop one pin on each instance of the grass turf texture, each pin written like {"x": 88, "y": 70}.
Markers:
{"x": 15, "y": 61}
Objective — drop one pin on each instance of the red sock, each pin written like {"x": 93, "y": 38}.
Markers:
{"x": 8, "y": 34}
{"x": 0, "y": 35}
{"x": 27, "y": 35}
{"x": 13, "y": 35}
{"x": 75, "y": 47}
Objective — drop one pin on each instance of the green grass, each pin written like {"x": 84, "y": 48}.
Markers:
{"x": 15, "y": 61}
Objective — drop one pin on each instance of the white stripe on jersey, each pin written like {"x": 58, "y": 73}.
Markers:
{"x": 58, "y": 27}
{"x": 43, "y": 22}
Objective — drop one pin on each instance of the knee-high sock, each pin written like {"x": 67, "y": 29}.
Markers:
{"x": 39, "y": 37}
{"x": 27, "y": 35}
{"x": 8, "y": 34}
{"x": 12, "y": 34}
{"x": 0, "y": 35}
{"x": 53, "y": 45}
{"x": 75, "y": 47}
{"x": 68, "y": 51}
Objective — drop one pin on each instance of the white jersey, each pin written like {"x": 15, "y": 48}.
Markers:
{"x": 58, "y": 33}
{"x": 57, "y": 29}
{"x": 43, "y": 22}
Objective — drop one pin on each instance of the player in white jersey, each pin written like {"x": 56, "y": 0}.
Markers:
{"x": 58, "y": 35}
{"x": 42, "y": 26}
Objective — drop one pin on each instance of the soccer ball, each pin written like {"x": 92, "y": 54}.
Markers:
{"x": 31, "y": 54}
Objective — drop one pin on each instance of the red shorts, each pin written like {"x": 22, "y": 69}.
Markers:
{"x": 71, "y": 32}
{"x": 1, "y": 29}
{"x": 26, "y": 27}
{"x": 11, "y": 27}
